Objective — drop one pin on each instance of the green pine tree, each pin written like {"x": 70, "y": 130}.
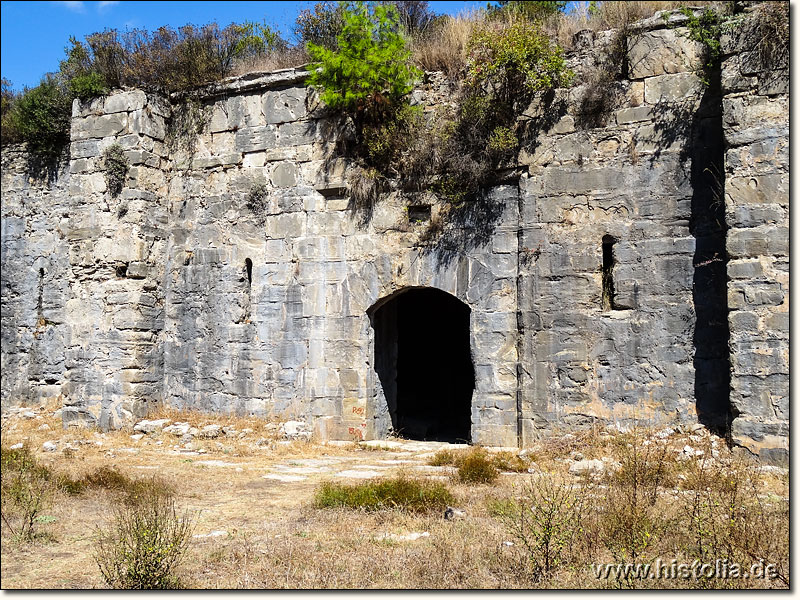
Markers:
{"x": 370, "y": 72}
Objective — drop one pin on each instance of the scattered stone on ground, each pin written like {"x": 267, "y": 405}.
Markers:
{"x": 177, "y": 429}
{"x": 146, "y": 426}
{"x": 216, "y": 463}
{"x": 210, "y": 431}
{"x": 454, "y": 513}
{"x": 408, "y": 537}
{"x": 296, "y": 430}
{"x": 587, "y": 467}
{"x": 212, "y": 534}
{"x": 358, "y": 474}
{"x": 285, "y": 478}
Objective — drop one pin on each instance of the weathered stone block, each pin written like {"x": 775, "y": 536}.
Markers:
{"x": 661, "y": 52}
{"x": 284, "y": 106}
{"x": 672, "y": 88}
{"x": 284, "y": 175}
{"x": 634, "y": 114}
{"x": 125, "y": 102}
{"x": 254, "y": 139}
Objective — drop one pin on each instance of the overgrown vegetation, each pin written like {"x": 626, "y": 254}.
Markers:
{"x": 772, "y": 31}
{"x": 706, "y": 28}
{"x": 369, "y": 74}
{"x": 403, "y": 493}
{"x": 654, "y": 497}
{"x": 144, "y": 545}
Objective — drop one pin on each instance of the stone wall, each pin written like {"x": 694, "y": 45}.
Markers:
{"x": 116, "y": 247}
{"x": 756, "y": 122}
{"x": 234, "y": 273}
{"x": 294, "y": 338}
{"x": 35, "y": 268}
{"x": 625, "y": 179}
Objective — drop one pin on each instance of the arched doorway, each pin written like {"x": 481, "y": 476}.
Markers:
{"x": 423, "y": 361}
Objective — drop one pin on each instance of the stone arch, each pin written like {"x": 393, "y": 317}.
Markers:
{"x": 423, "y": 362}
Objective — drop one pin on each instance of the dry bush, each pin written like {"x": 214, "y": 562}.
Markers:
{"x": 413, "y": 495}
{"x": 772, "y": 31}
{"x": 442, "y": 458}
{"x": 728, "y": 517}
{"x": 617, "y": 15}
{"x": 145, "y": 545}
{"x": 502, "y": 461}
{"x": 645, "y": 466}
{"x": 546, "y": 521}
{"x": 442, "y": 47}
{"x": 477, "y": 467}
{"x": 27, "y": 488}
{"x": 628, "y": 522}
{"x": 607, "y": 15}
{"x": 273, "y": 61}
{"x": 131, "y": 491}
{"x": 366, "y": 186}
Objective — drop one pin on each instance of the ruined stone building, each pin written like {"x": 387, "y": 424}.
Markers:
{"x": 634, "y": 267}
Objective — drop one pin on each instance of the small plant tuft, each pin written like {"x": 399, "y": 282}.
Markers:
{"x": 477, "y": 467}
{"x": 257, "y": 200}
{"x": 116, "y": 168}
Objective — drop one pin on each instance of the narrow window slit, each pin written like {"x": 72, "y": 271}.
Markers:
{"x": 39, "y": 306}
{"x": 248, "y": 265}
{"x": 608, "y": 273}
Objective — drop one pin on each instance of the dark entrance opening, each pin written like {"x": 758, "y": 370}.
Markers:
{"x": 423, "y": 360}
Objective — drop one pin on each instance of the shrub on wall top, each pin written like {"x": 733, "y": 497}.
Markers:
{"x": 370, "y": 71}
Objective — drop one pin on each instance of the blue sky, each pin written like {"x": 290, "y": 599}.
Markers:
{"x": 33, "y": 35}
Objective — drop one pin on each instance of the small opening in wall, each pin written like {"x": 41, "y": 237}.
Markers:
{"x": 41, "y": 292}
{"x": 608, "y": 272}
{"x": 248, "y": 265}
{"x": 121, "y": 270}
{"x": 420, "y": 213}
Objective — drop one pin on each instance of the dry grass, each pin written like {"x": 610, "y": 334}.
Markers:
{"x": 609, "y": 15}
{"x": 274, "y": 536}
{"x": 443, "y": 46}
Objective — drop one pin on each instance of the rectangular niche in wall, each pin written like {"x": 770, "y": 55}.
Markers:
{"x": 419, "y": 213}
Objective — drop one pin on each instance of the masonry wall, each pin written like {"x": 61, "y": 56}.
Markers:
{"x": 35, "y": 266}
{"x": 756, "y": 121}
{"x": 185, "y": 290}
{"x": 625, "y": 176}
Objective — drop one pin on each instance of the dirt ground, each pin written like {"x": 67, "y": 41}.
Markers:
{"x": 250, "y": 494}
